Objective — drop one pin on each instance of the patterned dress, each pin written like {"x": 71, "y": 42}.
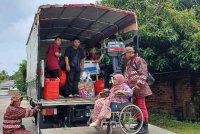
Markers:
{"x": 136, "y": 74}
{"x": 102, "y": 108}
{"x": 12, "y": 123}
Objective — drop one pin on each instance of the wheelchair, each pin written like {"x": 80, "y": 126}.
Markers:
{"x": 124, "y": 116}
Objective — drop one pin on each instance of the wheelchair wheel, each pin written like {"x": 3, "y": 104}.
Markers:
{"x": 129, "y": 117}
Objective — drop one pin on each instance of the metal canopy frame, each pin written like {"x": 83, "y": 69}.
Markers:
{"x": 89, "y": 22}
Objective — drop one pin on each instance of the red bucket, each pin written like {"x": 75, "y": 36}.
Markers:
{"x": 99, "y": 86}
{"x": 51, "y": 88}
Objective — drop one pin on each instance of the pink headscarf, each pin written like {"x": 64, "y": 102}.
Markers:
{"x": 120, "y": 83}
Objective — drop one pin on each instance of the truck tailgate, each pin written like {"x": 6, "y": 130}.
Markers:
{"x": 66, "y": 101}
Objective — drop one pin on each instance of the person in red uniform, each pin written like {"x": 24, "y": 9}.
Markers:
{"x": 12, "y": 123}
{"x": 136, "y": 76}
{"x": 53, "y": 55}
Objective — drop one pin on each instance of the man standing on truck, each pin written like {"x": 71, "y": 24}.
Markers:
{"x": 53, "y": 55}
{"x": 74, "y": 58}
{"x": 136, "y": 76}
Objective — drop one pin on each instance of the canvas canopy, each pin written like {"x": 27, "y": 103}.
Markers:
{"x": 89, "y": 22}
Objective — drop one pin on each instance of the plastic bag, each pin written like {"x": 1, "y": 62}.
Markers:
{"x": 86, "y": 87}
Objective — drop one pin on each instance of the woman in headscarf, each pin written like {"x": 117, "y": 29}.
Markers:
{"x": 12, "y": 123}
{"x": 102, "y": 108}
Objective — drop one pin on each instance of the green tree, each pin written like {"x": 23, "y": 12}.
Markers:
{"x": 20, "y": 77}
{"x": 169, "y": 31}
{"x": 4, "y": 76}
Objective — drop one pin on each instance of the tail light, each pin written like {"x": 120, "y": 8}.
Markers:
{"x": 49, "y": 111}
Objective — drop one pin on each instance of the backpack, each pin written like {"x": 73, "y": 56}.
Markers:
{"x": 150, "y": 79}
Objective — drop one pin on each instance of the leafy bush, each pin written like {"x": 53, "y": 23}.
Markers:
{"x": 169, "y": 31}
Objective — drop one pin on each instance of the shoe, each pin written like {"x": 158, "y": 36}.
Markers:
{"x": 70, "y": 96}
{"x": 137, "y": 126}
{"x": 76, "y": 95}
{"x": 144, "y": 129}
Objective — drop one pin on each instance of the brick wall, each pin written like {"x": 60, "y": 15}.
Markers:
{"x": 172, "y": 90}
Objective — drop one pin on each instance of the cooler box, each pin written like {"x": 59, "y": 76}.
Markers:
{"x": 91, "y": 66}
{"x": 51, "y": 88}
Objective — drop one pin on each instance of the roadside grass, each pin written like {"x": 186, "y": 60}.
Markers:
{"x": 170, "y": 123}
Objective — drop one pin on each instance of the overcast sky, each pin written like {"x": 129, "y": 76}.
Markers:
{"x": 16, "y": 20}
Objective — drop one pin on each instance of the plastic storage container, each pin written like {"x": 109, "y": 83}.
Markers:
{"x": 99, "y": 86}
{"x": 51, "y": 88}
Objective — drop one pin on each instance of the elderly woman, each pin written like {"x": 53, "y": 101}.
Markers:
{"x": 102, "y": 108}
{"x": 12, "y": 123}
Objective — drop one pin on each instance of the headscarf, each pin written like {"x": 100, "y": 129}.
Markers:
{"x": 16, "y": 98}
{"x": 120, "y": 82}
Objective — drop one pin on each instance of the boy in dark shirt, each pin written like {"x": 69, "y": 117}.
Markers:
{"x": 74, "y": 58}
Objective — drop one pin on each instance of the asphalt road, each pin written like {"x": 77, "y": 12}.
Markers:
{"x": 28, "y": 122}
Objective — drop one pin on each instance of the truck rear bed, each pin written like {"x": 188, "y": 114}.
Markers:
{"x": 65, "y": 101}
